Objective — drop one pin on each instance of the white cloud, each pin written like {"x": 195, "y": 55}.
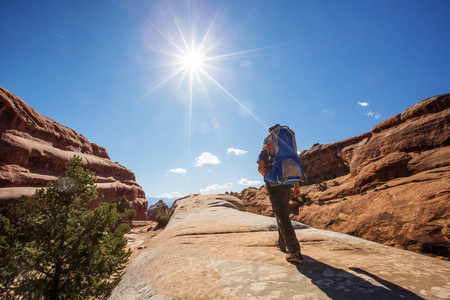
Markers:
{"x": 245, "y": 64}
{"x": 236, "y": 152}
{"x": 327, "y": 112}
{"x": 244, "y": 181}
{"x": 177, "y": 171}
{"x": 374, "y": 114}
{"x": 169, "y": 195}
{"x": 215, "y": 187}
{"x": 60, "y": 36}
{"x": 206, "y": 158}
{"x": 364, "y": 104}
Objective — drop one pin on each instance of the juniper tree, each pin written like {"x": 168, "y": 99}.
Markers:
{"x": 53, "y": 247}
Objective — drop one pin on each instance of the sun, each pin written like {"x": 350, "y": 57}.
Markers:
{"x": 193, "y": 60}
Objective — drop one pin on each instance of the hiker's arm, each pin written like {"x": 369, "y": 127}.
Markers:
{"x": 296, "y": 190}
{"x": 262, "y": 167}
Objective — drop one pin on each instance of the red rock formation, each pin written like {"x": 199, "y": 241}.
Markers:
{"x": 329, "y": 161}
{"x": 34, "y": 150}
{"x": 422, "y": 127}
{"x": 411, "y": 212}
{"x": 153, "y": 210}
{"x": 255, "y": 200}
{"x": 391, "y": 185}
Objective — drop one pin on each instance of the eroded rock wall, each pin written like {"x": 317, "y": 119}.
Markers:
{"x": 422, "y": 127}
{"x": 34, "y": 150}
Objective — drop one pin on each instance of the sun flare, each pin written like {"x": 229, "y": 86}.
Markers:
{"x": 193, "y": 60}
{"x": 194, "y": 63}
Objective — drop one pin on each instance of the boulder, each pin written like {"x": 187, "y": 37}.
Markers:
{"x": 34, "y": 150}
{"x": 211, "y": 249}
{"x": 256, "y": 200}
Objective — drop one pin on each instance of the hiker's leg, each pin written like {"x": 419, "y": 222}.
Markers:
{"x": 279, "y": 198}
{"x": 281, "y": 242}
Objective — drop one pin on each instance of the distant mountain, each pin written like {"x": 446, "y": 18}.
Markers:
{"x": 154, "y": 209}
{"x": 168, "y": 201}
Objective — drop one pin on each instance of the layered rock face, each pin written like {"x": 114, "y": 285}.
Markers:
{"x": 153, "y": 210}
{"x": 391, "y": 185}
{"x": 212, "y": 249}
{"x": 406, "y": 138}
{"x": 34, "y": 150}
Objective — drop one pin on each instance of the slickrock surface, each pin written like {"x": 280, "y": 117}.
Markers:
{"x": 391, "y": 185}
{"x": 211, "y": 249}
{"x": 34, "y": 150}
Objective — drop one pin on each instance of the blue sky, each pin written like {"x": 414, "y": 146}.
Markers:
{"x": 181, "y": 92}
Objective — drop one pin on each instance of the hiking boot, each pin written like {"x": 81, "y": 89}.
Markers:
{"x": 294, "y": 257}
{"x": 282, "y": 249}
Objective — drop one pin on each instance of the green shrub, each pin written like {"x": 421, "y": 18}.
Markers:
{"x": 162, "y": 218}
{"x": 372, "y": 187}
{"x": 53, "y": 247}
{"x": 305, "y": 199}
{"x": 321, "y": 186}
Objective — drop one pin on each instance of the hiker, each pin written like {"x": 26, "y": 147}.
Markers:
{"x": 279, "y": 187}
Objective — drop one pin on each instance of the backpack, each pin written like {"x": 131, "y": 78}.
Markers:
{"x": 282, "y": 149}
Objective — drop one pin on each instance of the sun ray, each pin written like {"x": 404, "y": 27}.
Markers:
{"x": 232, "y": 97}
{"x": 186, "y": 45}
{"x": 164, "y": 80}
{"x": 208, "y": 32}
{"x": 227, "y": 55}
{"x": 167, "y": 78}
{"x": 167, "y": 38}
{"x": 174, "y": 55}
{"x": 180, "y": 82}
{"x": 191, "y": 84}
{"x": 193, "y": 62}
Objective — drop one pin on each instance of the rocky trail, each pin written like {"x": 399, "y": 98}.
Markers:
{"x": 213, "y": 249}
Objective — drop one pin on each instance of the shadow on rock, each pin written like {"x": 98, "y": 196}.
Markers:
{"x": 340, "y": 284}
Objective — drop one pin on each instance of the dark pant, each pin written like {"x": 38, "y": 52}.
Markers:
{"x": 279, "y": 198}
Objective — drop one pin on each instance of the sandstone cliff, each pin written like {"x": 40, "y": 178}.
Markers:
{"x": 390, "y": 185}
{"x": 212, "y": 249}
{"x": 34, "y": 150}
